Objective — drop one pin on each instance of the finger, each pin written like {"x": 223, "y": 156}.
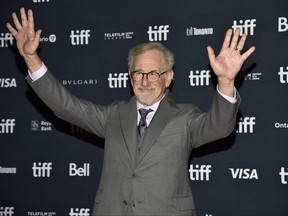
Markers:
{"x": 211, "y": 54}
{"x": 248, "y": 53}
{"x": 30, "y": 19}
{"x": 16, "y": 21}
{"x": 241, "y": 43}
{"x": 23, "y": 17}
{"x": 235, "y": 38}
{"x": 11, "y": 29}
{"x": 38, "y": 35}
{"x": 227, "y": 38}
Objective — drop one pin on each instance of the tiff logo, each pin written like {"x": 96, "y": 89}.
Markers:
{"x": 246, "y": 125}
{"x": 284, "y": 175}
{"x": 283, "y": 75}
{"x": 246, "y": 26}
{"x": 118, "y": 80}
{"x": 79, "y": 212}
{"x": 158, "y": 33}
{"x": 282, "y": 24}
{"x": 7, "y": 126}
{"x": 200, "y": 173}
{"x": 80, "y": 37}
{"x": 81, "y": 171}
{"x": 6, "y": 211}
{"x": 42, "y": 169}
{"x": 6, "y": 39}
{"x": 199, "y": 78}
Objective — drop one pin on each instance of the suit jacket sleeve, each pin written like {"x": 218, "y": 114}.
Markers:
{"x": 66, "y": 106}
{"x": 217, "y": 123}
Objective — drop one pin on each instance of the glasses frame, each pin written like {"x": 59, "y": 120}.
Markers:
{"x": 146, "y": 74}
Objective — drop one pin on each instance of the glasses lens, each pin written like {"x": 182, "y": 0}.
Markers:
{"x": 153, "y": 76}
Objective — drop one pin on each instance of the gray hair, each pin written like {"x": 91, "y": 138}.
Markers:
{"x": 144, "y": 47}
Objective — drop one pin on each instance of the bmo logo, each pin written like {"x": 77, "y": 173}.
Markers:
{"x": 75, "y": 170}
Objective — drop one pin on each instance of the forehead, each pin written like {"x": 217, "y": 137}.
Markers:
{"x": 150, "y": 60}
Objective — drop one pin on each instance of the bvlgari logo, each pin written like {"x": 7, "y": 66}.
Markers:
{"x": 79, "y": 82}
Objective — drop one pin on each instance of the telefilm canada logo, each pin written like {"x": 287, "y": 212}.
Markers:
{"x": 118, "y": 35}
{"x": 40, "y": 213}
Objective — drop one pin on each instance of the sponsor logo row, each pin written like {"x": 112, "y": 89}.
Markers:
{"x": 202, "y": 173}
{"x": 7, "y": 126}
{"x": 121, "y": 80}
{"x": 10, "y": 211}
{"x": 196, "y": 172}
{"x": 154, "y": 33}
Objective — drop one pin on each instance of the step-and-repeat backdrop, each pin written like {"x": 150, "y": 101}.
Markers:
{"x": 49, "y": 167}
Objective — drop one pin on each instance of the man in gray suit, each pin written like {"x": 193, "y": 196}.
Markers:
{"x": 145, "y": 170}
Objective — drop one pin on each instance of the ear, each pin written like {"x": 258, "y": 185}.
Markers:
{"x": 169, "y": 78}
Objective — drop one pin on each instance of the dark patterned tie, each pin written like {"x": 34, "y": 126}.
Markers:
{"x": 143, "y": 124}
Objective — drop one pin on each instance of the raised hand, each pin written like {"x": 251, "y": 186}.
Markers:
{"x": 26, "y": 37}
{"x": 228, "y": 63}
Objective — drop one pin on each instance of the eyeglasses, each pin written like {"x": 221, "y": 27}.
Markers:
{"x": 152, "y": 76}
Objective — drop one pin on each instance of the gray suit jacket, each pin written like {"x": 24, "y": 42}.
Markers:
{"x": 156, "y": 181}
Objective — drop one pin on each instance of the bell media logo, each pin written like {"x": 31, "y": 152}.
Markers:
{"x": 79, "y": 171}
{"x": 158, "y": 33}
{"x": 245, "y": 26}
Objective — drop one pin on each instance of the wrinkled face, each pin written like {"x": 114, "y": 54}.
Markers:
{"x": 147, "y": 92}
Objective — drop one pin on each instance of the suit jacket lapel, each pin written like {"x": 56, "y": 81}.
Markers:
{"x": 128, "y": 119}
{"x": 164, "y": 113}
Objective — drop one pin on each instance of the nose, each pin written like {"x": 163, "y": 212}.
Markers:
{"x": 145, "y": 81}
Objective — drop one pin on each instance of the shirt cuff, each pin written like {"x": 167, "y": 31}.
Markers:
{"x": 232, "y": 100}
{"x": 39, "y": 73}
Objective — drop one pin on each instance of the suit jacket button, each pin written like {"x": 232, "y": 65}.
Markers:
{"x": 125, "y": 202}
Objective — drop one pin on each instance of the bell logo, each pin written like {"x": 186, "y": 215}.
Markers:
{"x": 240, "y": 173}
{"x": 81, "y": 171}
{"x": 282, "y": 24}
